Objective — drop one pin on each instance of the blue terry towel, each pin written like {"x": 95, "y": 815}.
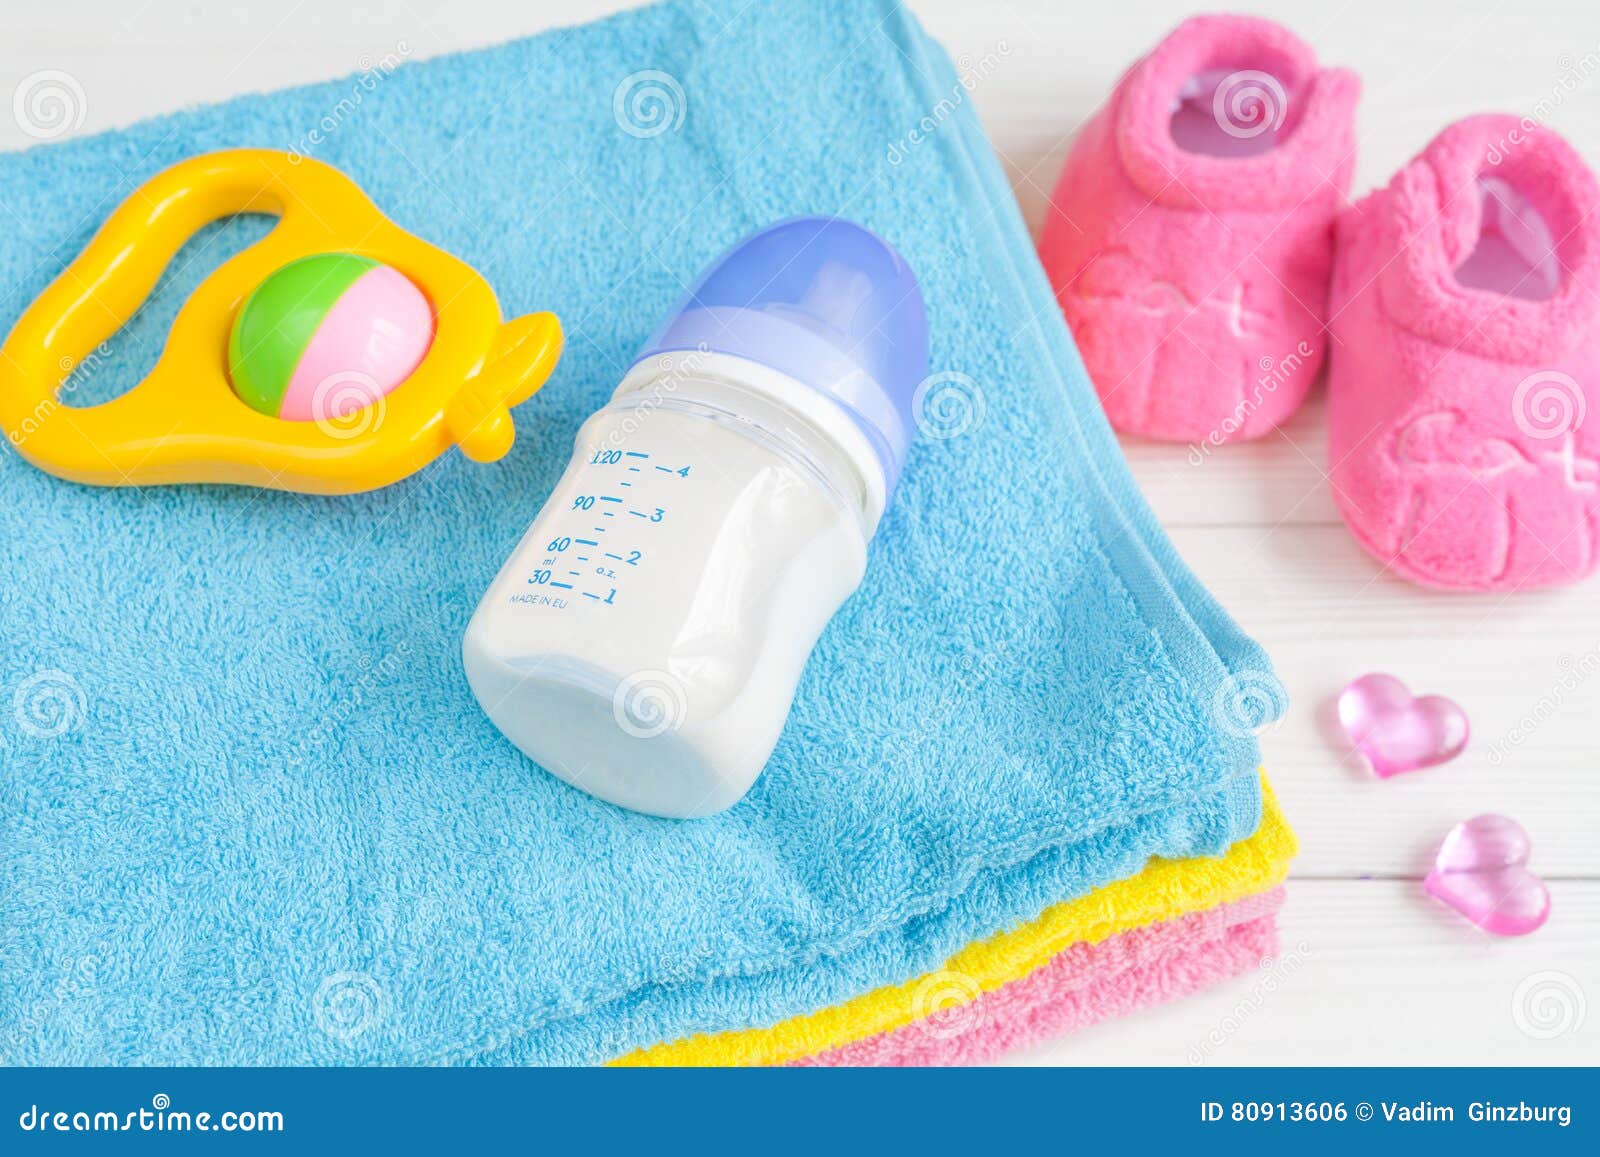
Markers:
{"x": 251, "y": 812}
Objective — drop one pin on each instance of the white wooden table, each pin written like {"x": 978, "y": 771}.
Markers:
{"x": 1386, "y": 975}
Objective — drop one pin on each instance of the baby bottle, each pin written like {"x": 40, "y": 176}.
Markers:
{"x": 644, "y": 640}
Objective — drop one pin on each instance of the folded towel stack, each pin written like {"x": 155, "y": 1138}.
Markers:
{"x": 1018, "y": 789}
{"x": 1175, "y": 927}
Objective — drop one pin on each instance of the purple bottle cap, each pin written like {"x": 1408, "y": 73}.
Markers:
{"x": 827, "y": 303}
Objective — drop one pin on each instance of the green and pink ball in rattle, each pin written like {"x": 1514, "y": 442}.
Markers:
{"x": 326, "y": 336}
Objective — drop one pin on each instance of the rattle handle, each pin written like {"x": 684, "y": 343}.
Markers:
{"x": 98, "y": 293}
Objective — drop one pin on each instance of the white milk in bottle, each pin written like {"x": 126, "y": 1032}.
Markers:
{"x": 645, "y": 638}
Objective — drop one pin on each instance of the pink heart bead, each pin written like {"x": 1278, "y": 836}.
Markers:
{"x": 1481, "y": 871}
{"x": 1397, "y": 731}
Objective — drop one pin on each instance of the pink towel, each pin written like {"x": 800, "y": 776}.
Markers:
{"x": 1080, "y": 986}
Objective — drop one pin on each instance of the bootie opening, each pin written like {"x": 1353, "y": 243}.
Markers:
{"x": 1516, "y": 252}
{"x": 1235, "y": 112}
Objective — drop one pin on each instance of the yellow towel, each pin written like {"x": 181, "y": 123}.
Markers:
{"x": 1164, "y": 890}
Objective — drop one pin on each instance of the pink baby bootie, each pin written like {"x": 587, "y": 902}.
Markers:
{"x": 1466, "y": 350}
{"x": 1190, "y": 236}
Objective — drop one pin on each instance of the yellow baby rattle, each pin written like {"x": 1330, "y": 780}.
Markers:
{"x": 337, "y": 354}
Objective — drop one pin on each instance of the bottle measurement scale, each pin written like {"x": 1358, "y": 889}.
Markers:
{"x": 598, "y": 548}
